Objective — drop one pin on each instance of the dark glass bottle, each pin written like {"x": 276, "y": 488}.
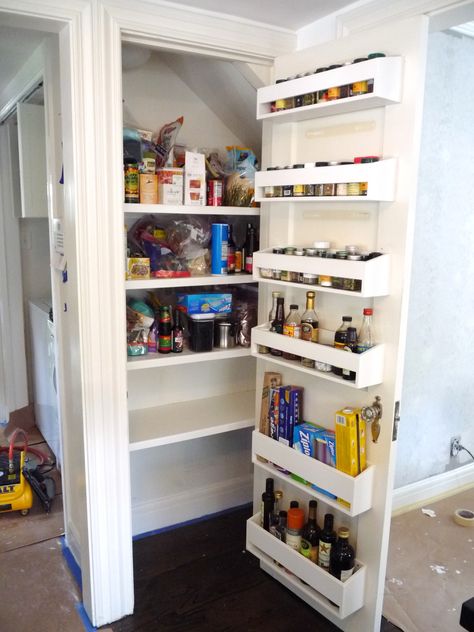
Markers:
{"x": 177, "y": 334}
{"x": 164, "y": 337}
{"x": 230, "y": 252}
{"x": 250, "y": 247}
{"x": 278, "y": 322}
{"x": 340, "y": 338}
{"x": 312, "y": 531}
{"x": 327, "y": 538}
{"x": 350, "y": 346}
{"x": 268, "y": 503}
{"x": 342, "y": 558}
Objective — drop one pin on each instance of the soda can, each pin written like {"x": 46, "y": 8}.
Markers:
{"x": 214, "y": 192}
{"x": 219, "y": 239}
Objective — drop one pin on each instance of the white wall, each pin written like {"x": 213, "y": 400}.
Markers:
{"x": 437, "y": 399}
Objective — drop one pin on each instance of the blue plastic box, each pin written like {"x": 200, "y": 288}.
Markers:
{"x": 205, "y": 303}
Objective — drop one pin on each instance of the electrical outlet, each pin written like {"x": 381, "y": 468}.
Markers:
{"x": 455, "y": 446}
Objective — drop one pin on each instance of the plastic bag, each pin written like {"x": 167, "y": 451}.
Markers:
{"x": 164, "y": 142}
{"x": 245, "y": 313}
{"x": 140, "y": 318}
{"x": 189, "y": 238}
{"x": 240, "y": 184}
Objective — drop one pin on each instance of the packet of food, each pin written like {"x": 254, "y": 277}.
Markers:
{"x": 164, "y": 142}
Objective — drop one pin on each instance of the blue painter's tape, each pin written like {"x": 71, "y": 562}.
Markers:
{"x": 84, "y": 618}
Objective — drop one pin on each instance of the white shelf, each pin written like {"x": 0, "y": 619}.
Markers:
{"x": 347, "y": 596}
{"x": 181, "y": 209}
{"x": 368, "y": 366}
{"x": 152, "y": 360}
{"x": 385, "y": 71}
{"x": 356, "y": 490}
{"x": 193, "y": 281}
{"x": 183, "y": 421}
{"x": 374, "y": 274}
{"x": 380, "y": 178}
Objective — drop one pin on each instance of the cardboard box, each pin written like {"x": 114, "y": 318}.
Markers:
{"x": 194, "y": 179}
{"x": 205, "y": 303}
{"x": 351, "y": 456}
{"x": 138, "y": 268}
{"x": 274, "y": 412}
{"x": 270, "y": 380}
{"x": 170, "y": 185}
{"x": 311, "y": 439}
{"x": 290, "y": 412}
{"x": 148, "y": 188}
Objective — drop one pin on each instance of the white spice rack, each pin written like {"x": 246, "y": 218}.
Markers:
{"x": 374, "y": 274}
{"x": 368, "y": 366}
{"x": 386, "y": 73}
{"x": 182, "y": 209}
{"x": 380, "y": 178}
{"x": 321, "y": 587}
{"x": 355, "y": 490}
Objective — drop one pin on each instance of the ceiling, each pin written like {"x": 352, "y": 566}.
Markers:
{"x": 16, "y": 46}
{"x": 292, "y": 14}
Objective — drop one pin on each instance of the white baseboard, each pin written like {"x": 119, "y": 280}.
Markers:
{"x": 72, "y": 542}
{"x": 163, "y": 512}
{"x": 432, "y": 488}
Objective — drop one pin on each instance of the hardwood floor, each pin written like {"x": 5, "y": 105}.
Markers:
{"x": 199, "y": 578}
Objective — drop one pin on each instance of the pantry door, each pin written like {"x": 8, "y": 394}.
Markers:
{"x": 389, "y": 131}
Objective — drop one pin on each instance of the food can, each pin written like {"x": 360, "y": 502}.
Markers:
{"x": 219, "y": 239}
{"x": 214, "y": 192}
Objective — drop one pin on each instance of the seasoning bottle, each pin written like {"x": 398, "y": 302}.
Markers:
{"x": 311, "y": 531}
{"x": 250, "y": 247}
{"x": 353, "y": 285}
{"x": 164, "y": 336}
{"x": 268, "y": 502}
{"x": 297, "y": 277}
{"x": 273, "y": 310}
{"x": 322, "y": 94}
{"x": 278, "y": 322}
{"x": 310, "y": 97}
{"x": 340, "y": 339}
{"x": 338, "y": 282}
{"x": 351, "y": 346}
{"x": 298, "y": 189}
{"x": 131, "y": 181}
{"x": 239, "y": 259}
{"x": 329, "y": 188}
{"x": 282, "y": 526}
{"x": 230, "y": 252}
{"x": 366, "y": 334}
{"x": 295, "y": 527}
{"x": 370, "y": 82}
{"x": 334, "y": 92}
{"x": 269, "y": 190}
{"x": 353, "y": 188}
{"x": 327, "y": 538}
{"x": 290, "y": 101}
{"x": 342, "y": 556}
{"x": 359, "y": 87}
{"x": 292, "y": 328}
{"x": 309, "y": 189}
{"x": 279, "y": 105}
{"x": 287, "y": 189}
{"x": 177, "y": 334}
{"x": 309, "y": 320}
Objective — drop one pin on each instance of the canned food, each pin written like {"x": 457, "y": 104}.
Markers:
{"x": 214, "y": 192}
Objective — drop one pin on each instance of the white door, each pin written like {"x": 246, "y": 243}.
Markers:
{"x": 384, "y": 122}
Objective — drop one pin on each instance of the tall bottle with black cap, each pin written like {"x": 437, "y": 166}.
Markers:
{"x": 268, "y": 504}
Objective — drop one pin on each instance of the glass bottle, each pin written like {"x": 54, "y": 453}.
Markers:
{"x": 351, "y": 346}
{"x": 282, "y": 526}
{"x": 292, "y": 328}
{"x": 230, "y": 252}
{"x": 340, "y": 338}
{"x": 309, "y": 326}
{"x": 268, "y": 501}
{"x": 164, "y": 336}
{"x": 250, "y": 247}
{"x": 366, "y": 333}
{"x": 327, "y": 538}
{"x": 342, "y": 558}
{"x": 272, "y": 314}
{"x": 278, "y": 322}
{"x": 295, "y": 527}
{"x": 311, "y": 531}
{"x": 177, "y": 334}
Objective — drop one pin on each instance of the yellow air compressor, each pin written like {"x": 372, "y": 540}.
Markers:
{"x": 15, "y": 491}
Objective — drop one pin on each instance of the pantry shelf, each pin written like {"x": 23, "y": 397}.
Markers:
{"x": 195, "y": 281}
{"x": 181, "y": 209}
{"x": 368, "y": 366}
{"x": 386, "y": 73}
{"x": 374, "y": 274}
{"x": 152, "y": 360}
{"x": 347, "y": 596}
{"x": 184, "y": 421}
{"x": 379, "y": 176}
{"x": 355, "y": 490}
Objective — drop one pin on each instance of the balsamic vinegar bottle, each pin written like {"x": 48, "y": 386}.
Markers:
{"x": 327, "y": 539}
{"x": 342, "y": 558}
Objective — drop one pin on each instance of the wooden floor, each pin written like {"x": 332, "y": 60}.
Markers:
{"x": 199, "y": 578}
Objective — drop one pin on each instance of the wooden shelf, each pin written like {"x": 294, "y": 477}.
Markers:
{"x": 347, "y": 596}
{"x": 193, "y": 281}
{"x": 368, "y": 366}
{"x": 356, "y": 490}
{"x": 183, "y": 421}
{"x": 380, "y": 178}
{"x": 385, "y": 71}
{"x": 181, "y": 209}
{"x": 374, "y": 274}
{"x": 152, "y": 360}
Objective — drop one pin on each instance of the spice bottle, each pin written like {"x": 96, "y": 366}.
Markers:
{"x": 295, "y": 527}
{"x": 366, "y": 334}
{"x": 342, "y": 557}
{"x": 131, "y": 181}
{"x": 340, "y": 339}
{"x": 279, "y": 104}
{"x": 268, "y": 502}
{"x": 311, "y": 531}
{"x": 351, "y": 346}
{"x": 292, "y": 328}
{"x": 298, "y": 189}
{"x": 327, "y": 538}
{"x": 278, "y": 322}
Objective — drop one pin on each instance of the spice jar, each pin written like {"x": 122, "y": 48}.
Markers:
{"x": 290, "y": 101}
{"x": 310, "y": 97}
{"x": 322, "y": 248}
{"x": 287, "y": 189}
{"x": 309, "y": 278}
{"x": 278, "y": 251}
{"x": 334, "y": 92}
{"x": 269, "y": 190}
{"x": 353, "y": 188}
{"x": 298, "y": 189}
{"x": 266, "y": 273}
{"x": 359, "y": 87}
{"x": 311, "y": 252}
{"x": 352, "y": 285}
{"x": 279, "y": 104}
{"x": 297, "y": 277}
{"x": 338, "y": 282}
{"x": 370, "y": 82}
{"x": 276, "y": 275}
{"x": 341, "y": 188}
{"x": 322, "y": 94}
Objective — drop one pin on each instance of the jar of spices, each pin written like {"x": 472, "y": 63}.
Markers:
{"x": 359, "y": 87}
{"x": 278, "y": 251}
{"x": 341, "y": 188}
{"x": 334, "y": 93}
{"x": 322, "y": 248}
{"x": 322, "y": 94}
{"x": 290, "y": 250}
{"x": 353, "y": 188}
{"x": 345, "y": 91}
{"x": 309, "y": 279}
{"x": 322, "y": 366}
{"x": 298, "y": 189}
{"x": 310, "y": 97}
{"x": 277, "y": 188}
{"x": 290, "y": 101}
{"x": 269, "y": 190}
{"x": 309, "y": 189}
{"x": 287, "y": 189}
{"x": 352, "y": 285}
{"x": 266, "y": 273}
{"x": 276, "y": 275}
{"x": 310, "y": 252}
{"x": 279, "y": 104}
{"x": 297, "y": 277}
{"x": 373, "y": 56}
{"x": 338, "y": 282}
{"x": 365, "y": 185}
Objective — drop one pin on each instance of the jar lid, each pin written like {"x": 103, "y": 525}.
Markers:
{"x": 278, "y": 251}
{"x": 354, "y": 257}
{"x": 293, "y": 306}
{"x": 290, "y": 250}
{"x": 346, "y": 162}
{"x": 322, "y": 69}
{"x": 322, "y": 245}
{"x": 298, "y": 166}
{"x": 334, "y": 66}
{"x": 299, "y": 252}
{"x": 368, "y": 311}
{"x": 374, "y": 55}
{"x": 347, "y": 319}
{"x": 271, "y": 168}
{"x": 309, "y": 275}
{"x": 310, "y": 252}
{"x": 295, "y": 518}
{"x": 341, "y": 254}
{"x": 357, "y": 60}
{"x": 352, "y": 250}
{"x": 370, "y": 159}
{"x": 280, "y": 80}
{"x": 202, "y": 316}
{"x": 343, "y": 532}
{"x": 333, "y": 163}
{"x": 321, "y": 164}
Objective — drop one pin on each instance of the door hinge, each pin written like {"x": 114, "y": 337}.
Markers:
{"x": 396, "y": 420}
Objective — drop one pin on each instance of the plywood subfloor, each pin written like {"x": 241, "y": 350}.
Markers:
{"x": 430, "y": 568}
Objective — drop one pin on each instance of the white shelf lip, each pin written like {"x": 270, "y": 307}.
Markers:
{"x": 184, "y": 421}
{"x": 385, "y": 71}
{"x": 358, "y": 490}
{"x": 374, "y": 273}
{"x": 153, "y": 360}
{"x": 181, "y": 209}
{"x": 380, "y": 178}
{"x": 348, "y": 595}
{"x": 368, "y": 366}
{"x": 193, "y": 281}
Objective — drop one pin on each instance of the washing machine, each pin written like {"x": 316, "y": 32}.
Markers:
{"x": 43, "y": 363}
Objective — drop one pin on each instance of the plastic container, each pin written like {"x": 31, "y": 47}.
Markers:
{"x": 201, "y": 332}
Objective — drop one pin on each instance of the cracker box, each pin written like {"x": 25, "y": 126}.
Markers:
{"x": 205, "y": 303}
{"x": 170, "y": 185}
{"x": 138, "y": 268}
{"x": 194, "y": 179}
{"x": 270, "y": 380}
{"x": 351, "y": 455}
